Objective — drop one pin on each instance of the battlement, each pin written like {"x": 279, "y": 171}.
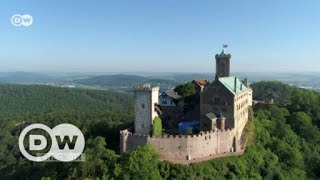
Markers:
{"x": 222, "y": 55}
{"x": 147, "y": 87}
{"x": 126, "y": 132}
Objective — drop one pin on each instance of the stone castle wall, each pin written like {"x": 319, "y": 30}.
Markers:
{"x": 185, "y": 147}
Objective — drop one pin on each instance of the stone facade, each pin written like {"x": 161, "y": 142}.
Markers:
{"x": 226, "y": 96}
{"x": 146, "y": 97}
{"x": 217, "y": 99}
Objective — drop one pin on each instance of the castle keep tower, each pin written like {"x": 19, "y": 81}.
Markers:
{"x": 146, "y": 96}
{"x": 223, "y": 64}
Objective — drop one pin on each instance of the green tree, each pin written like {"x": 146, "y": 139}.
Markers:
{"x": 99, "y": 160}
{"x": 157, "y": 126}
{"x": 142, "y": 163}
{"x": 187, "y": 91}
{"x": 301, "y": 123}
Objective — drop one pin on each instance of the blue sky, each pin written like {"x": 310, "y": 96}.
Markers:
{"x": 160, "y": 35}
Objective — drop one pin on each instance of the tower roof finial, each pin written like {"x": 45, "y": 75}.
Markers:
{"x": 224, "y": 46}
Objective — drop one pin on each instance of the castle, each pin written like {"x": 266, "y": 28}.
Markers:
{"x": 225, "y": 108}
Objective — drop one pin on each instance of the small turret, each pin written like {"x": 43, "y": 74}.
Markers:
{"x": 221, "y": 122}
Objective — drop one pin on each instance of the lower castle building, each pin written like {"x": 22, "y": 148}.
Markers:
{"x": 225, "y": 108}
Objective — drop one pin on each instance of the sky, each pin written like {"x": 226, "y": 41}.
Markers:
{"x": 160, "y": 35}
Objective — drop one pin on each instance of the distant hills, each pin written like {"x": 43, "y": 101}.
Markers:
{"x": 25, "y": 78}
{"x": 113, "y": 80}
{"x": 125, "y": 82}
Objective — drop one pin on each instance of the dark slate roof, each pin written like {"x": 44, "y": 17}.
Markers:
{"x": 173, "y": 94}
{"x": 211, "y": 116}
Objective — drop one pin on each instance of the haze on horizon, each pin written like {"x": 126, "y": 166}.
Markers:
{"x": 160, "y": 36}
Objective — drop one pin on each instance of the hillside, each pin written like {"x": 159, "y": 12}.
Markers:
{"x": 125, "y": 82}
{"x": 122, "y": 80}
{"x": 266, "y": 90}
{"x": 113, "y": 80}
{"x": 25, "y": 78}
{"x": 283, "y": 142}
{"x": 24, "y": 99}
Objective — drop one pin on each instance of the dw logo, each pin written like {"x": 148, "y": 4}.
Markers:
{"x": 21, "y": 20}
{"x": 67, "y": 142}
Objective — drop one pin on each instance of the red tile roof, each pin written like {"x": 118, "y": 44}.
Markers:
{"x": 202, "y": 81}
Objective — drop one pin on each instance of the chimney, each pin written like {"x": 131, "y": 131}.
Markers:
{"x": 235, "y": 84}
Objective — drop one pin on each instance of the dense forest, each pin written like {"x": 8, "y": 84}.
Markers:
{"x": 283, "y": 141}
{"x": 24, "y": 99}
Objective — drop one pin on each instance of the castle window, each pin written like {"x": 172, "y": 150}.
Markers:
{"x": 143, "y": 105}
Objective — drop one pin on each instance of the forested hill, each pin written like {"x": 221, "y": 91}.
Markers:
{"x": 265, "y": 90}
{"x": 296, "y": 98}
{"x": 122, "y": 80}
{"x": 283, "y": 142}
{"x": 24, "y": 99}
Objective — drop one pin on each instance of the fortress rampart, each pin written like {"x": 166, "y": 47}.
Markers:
{"x": 185, "y": 147}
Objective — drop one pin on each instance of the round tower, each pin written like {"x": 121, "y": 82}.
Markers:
{"x": 146, "y": 96}
{"x": 221, "y": 122}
